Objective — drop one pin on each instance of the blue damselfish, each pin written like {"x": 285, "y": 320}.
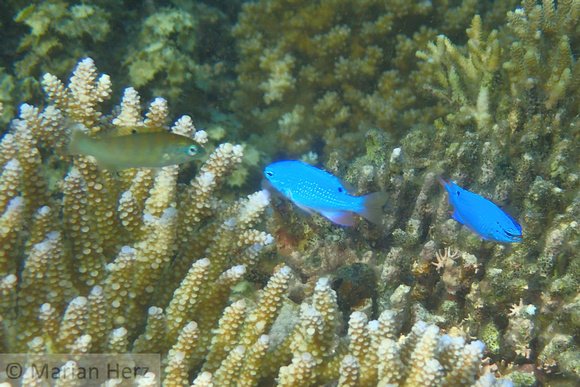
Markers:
{"x": 482, "y": 216}
{"x": 313, "y": 189}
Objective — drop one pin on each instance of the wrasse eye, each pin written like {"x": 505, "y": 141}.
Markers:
{"x": 192, "y": 150}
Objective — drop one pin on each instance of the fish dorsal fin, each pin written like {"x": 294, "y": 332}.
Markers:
{"x": 127, "y": 130}
{"x": 325, "y": 175}
{"x": 152, "y": 129}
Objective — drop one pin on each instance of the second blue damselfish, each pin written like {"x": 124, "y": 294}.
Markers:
{"x": 482, "y": 216}
{"x": 315, "y": 190}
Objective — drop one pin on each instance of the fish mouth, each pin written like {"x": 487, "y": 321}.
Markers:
{"x": 514, "y": 237}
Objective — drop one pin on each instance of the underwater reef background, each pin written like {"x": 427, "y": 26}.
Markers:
{"x": 387, "y": 95}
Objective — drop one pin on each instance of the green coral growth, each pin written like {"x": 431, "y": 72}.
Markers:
{"x": 336, "y": 69}
{"x": 491, "y": 337}
{"x": 57, "y": 27}
{"x": 164, "y": 46}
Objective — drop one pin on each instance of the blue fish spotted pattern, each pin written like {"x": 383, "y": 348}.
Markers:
{"x": 315, "y": 190}
{"x": 482, "y": 216}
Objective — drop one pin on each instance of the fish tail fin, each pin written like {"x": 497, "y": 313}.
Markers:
{"x": 373, "y": 207}
{"x": 78, "y": 139}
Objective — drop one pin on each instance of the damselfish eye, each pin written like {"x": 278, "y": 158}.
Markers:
{"x": 340, "y": 189}
{"x": 458, "y": 193}
{"x": 269, "y": 173}
{"x": 192, "y": 150}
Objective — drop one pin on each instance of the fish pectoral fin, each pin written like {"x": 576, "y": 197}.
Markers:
{"x": 458, "y": 217}
{"x": 344, "y": 218}
{"x": 111, "y": 168}
{"x": 487, "y": 237}
{"x": 484, "y": 237}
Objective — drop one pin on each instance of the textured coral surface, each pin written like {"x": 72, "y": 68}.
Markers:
{"x": 233, "y": 286}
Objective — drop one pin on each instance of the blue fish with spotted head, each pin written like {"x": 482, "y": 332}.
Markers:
{"x": 315, "y": 190}
{"x": 481, "y": 216}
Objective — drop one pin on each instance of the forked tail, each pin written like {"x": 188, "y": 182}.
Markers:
{"x": 373, "y": 207}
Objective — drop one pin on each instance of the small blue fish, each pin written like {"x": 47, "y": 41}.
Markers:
{"x": 481, "y": 216}
{"x": 313, "y": 189}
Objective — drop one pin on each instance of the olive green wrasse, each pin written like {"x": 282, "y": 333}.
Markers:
{"x": 138, "y": 150}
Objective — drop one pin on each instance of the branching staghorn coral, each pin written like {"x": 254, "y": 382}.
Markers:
{"x": 539, "y": 65}
{"x": 350, "y": 69}
{"x": 465, "y": 80}
{"x": 134, "y": 262}
{"x": 541, "y": 57}
{"x": 522, "y": 157}
{"x": 311, "y": 353}
{"x": 47, "y": 36}
{"x": 177, "y": 50}
{"x": 86, "y": 258}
